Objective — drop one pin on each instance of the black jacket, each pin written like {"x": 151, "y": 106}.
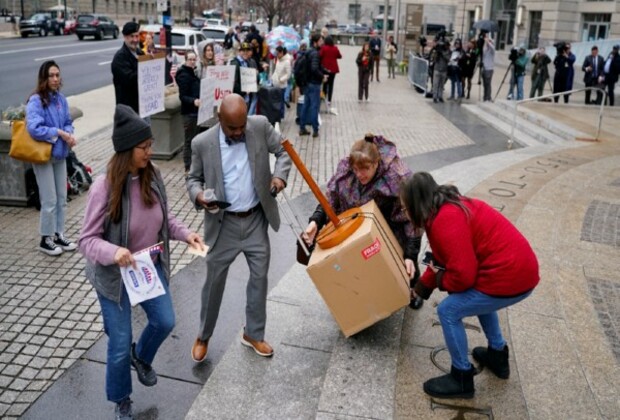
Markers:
{"x": 612, "y": 76}
{"x": 125, "y": 77}
{"x": 237, "y": 86}
{"x": 590, "y": 76}
{"x": 315, "y": 71}
{"x": 189, "y": 89}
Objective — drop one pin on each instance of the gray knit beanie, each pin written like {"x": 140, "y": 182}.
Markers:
{"x": 129, "y": 129}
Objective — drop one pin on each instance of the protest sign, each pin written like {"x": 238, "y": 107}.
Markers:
{"x": 151, "y": 75}
{"x": 142, "y": 281}
{"x": 213, "y": 88}
{"x": 248, "y": 79}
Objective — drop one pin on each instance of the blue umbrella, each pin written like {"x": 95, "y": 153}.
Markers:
{"x": 284, "y": 36}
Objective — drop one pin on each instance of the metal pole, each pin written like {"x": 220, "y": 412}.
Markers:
{"x": 168, "y": 30}
{"x": 463, "y": 20}
{"x": 397, "y": 25}
{"x": 386, "y": 8}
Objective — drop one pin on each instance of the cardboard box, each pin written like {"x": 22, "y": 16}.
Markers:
{"x": 363, "y": 280}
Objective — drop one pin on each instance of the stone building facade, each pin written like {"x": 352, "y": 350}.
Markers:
{"x": 531, "y": 23}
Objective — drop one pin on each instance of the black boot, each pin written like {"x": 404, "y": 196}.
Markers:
{"x": 495, "y": 360}
{"x": 417, "y": 302}
{"x": 456, "y": 384}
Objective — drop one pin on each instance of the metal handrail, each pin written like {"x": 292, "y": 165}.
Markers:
{"x": 551, "y": 95}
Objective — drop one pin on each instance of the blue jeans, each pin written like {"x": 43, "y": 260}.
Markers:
{"x": 52, "y": 182}
{"x": 117, "y": 326}
{"x": 519, "y": 85}
{"x": 310, "y": 110}
{"x": 253, "y": 102}
{"x": 457, "y": 306}
{"x": 287, "y": 91}
{"x": 456, "y": 84}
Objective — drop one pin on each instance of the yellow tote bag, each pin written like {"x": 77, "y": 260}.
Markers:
{"x": 25, "y": 148}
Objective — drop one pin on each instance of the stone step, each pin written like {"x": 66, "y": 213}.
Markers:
{"x": 521, "y": 138}
{"x": 317, "y": 371}
{"x": 543, "y": 121}
{"x": 502, "y": 111}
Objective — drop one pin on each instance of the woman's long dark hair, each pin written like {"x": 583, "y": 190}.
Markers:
{"x": 118, "y": 168}
{"x": 42, "y": 88}
{"x": 423, "y": 198}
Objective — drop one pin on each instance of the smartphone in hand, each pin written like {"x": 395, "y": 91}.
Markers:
{"x": 220, "y": 204}
{"x": 428, "y": 258}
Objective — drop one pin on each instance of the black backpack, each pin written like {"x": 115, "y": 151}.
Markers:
{"x": 300, "y": 70}
{"x": 78, "y": 175}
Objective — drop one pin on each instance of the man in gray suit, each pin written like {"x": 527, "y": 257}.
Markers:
{"x": 230, "y": 163}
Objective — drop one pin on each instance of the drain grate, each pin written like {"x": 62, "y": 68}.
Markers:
{"x": 601, "y": 223}
{"x": 606, "y": 298}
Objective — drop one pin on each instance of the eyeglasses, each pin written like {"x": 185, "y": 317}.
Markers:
{"x": 146, "y": 147}
{"x": 191, "y": 59}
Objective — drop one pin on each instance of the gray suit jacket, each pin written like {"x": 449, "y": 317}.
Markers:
{"x": 206, "y": 170}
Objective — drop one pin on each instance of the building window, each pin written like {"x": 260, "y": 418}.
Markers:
{"x": 595, "y": 26}
{"x": 382, "y": 8}
{"x": 355, "y": 12}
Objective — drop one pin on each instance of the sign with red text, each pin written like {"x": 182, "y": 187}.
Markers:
{"x": 371, "y": 250}
{"x": 213, "y": 88}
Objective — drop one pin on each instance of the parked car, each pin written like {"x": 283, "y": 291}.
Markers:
{"x": 197, "y": 22}
{"x": 215, "y": 33}
{"x": 39, "y": 24}
{"x": 214, "y": 22}
{"x": 342, "y": 28}
{"x": 95, "y": 25}
{"x": 183, "y": 39}
{"x": 358, "y": 29}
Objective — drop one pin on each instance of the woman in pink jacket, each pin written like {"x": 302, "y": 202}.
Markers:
{"x": 127, "y": 211}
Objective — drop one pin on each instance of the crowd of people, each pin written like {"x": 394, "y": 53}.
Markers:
{"x": 478, "y": 256}
{"x": 457, "y": 63}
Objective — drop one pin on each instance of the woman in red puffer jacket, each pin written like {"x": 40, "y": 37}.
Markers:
{"x": 482, "y": 261}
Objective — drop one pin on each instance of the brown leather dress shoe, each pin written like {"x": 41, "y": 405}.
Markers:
{"x": 199, "y": 350}
{"x": 262, "y": 348}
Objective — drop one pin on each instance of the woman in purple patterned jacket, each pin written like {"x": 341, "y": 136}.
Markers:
{"x": 373, "y": 171}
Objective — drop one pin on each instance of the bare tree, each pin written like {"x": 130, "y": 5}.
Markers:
{"x": 270, "y": 9}
{"x": 295, "y": 12}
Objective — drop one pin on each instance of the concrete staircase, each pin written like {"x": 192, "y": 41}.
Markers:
{"x": 531, "y": 129}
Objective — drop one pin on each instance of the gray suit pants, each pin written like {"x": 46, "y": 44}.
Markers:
{"x": 247, "y": 235}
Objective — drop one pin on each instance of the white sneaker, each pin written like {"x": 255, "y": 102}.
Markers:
{"x": 48, "y": 246}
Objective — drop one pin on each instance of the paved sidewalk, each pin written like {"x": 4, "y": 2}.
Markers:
{"x": 49, "y": 316}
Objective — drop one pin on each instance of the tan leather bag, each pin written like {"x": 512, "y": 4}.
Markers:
{"x": 25, "y": 148}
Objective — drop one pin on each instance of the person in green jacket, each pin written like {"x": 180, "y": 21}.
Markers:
{"x": 519, "y": 62}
